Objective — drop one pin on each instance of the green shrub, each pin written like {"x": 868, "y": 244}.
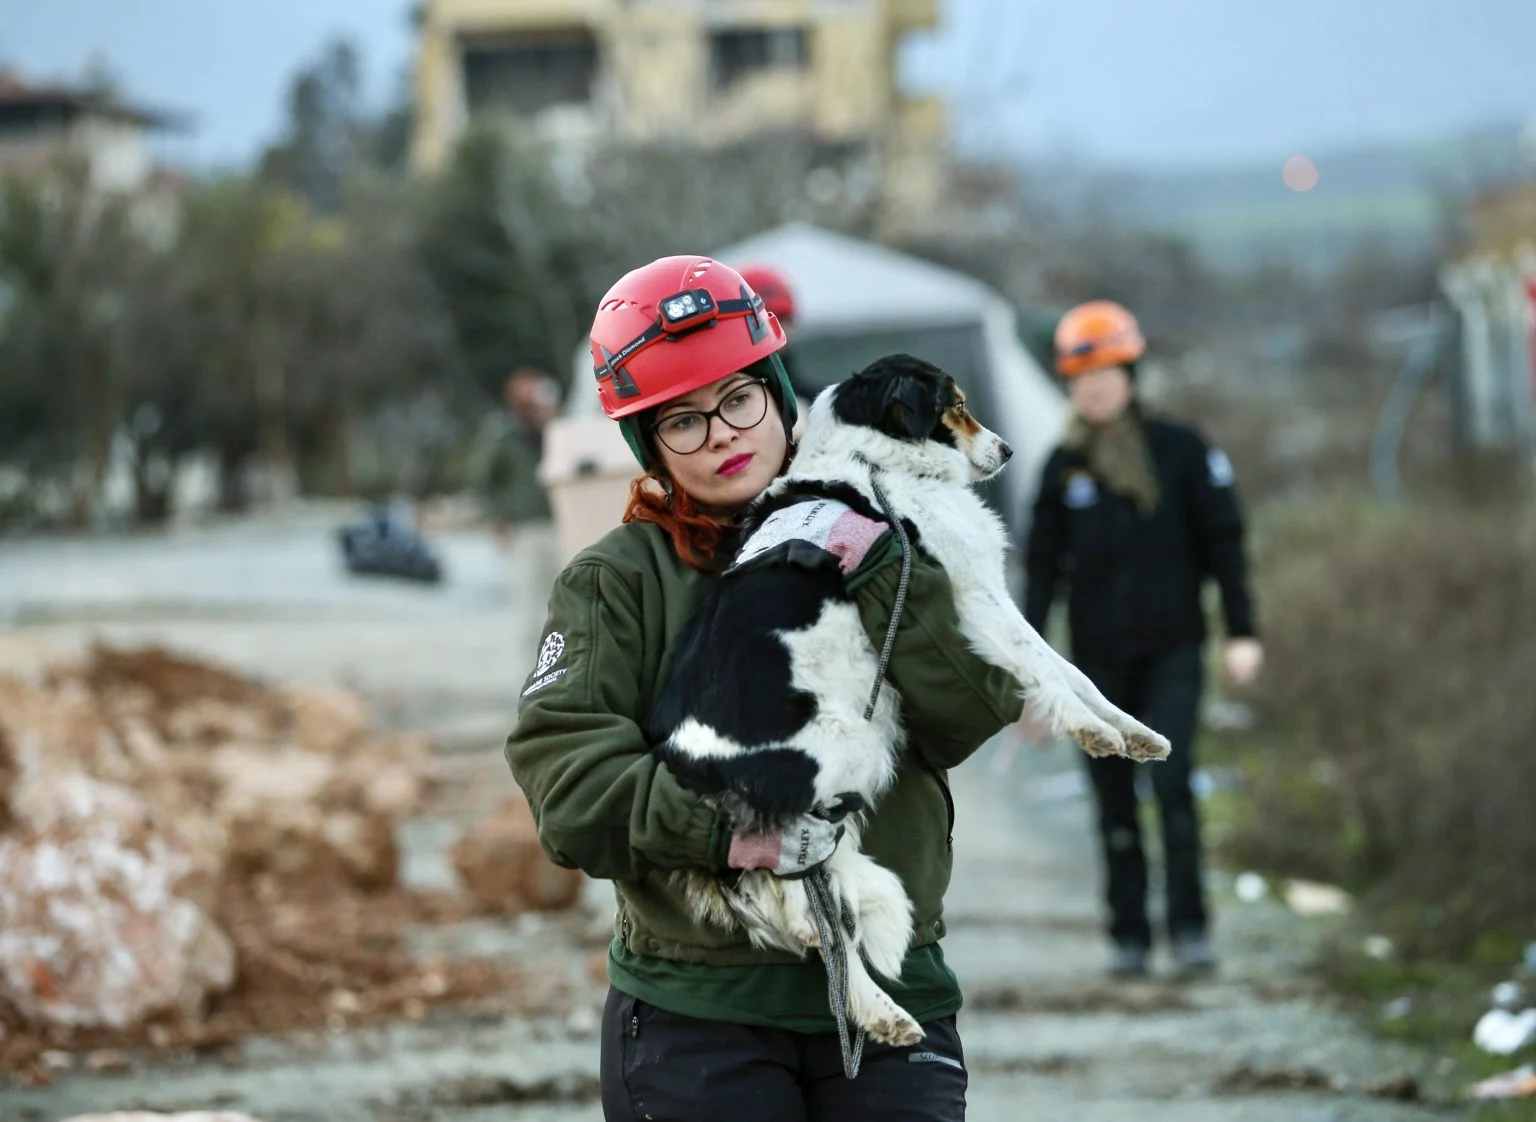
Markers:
{"x": 1399, "y": 710}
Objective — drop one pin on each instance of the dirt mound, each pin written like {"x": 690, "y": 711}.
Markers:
{"x": 190, "y": 856}
{"x": 502, "y": 866}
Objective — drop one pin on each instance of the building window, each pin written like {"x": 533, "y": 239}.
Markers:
{"x": 737, "y": 54}
{"x": 24, "y": 120}
{"x": 530, "y": 73}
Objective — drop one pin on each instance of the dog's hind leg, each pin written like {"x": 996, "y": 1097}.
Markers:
{"x": 880, "y": 906}
{"x": 866, "y": 1004}
{"x": 875, "y": 1011}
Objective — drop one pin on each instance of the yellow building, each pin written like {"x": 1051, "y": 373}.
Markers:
{"x": 704, "y": 71}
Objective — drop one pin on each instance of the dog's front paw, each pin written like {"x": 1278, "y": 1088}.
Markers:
{"x": 1099, "y": 740}
{"x": 1145, "y": 748}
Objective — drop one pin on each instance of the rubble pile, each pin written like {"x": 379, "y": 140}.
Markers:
{"x": 504, "y": 870}
{"x": 187, "y": 855}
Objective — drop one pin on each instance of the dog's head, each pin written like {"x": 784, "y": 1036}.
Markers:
{"x": 920, "y": 406}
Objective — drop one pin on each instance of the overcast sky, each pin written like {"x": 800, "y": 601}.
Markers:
{"x": 1149, "y": 82}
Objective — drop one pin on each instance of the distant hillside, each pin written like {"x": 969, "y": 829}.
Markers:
{"x": 1396, "y": 191}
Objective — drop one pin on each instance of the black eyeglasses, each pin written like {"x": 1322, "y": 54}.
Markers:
{"x": 743, "y": 408}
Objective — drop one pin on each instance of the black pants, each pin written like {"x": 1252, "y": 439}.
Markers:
{"x": 1162, "y": 691}
{"x": 663, "y": 1067}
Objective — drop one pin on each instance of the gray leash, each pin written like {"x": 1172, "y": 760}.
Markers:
{"x": 901, "y": 590}
{"x": 834, "y": 952}
{"x": 834, "y": 946}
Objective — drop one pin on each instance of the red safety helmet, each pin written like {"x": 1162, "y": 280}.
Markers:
{"x": 674, "y": 325}
{"x": 773, "y": 286}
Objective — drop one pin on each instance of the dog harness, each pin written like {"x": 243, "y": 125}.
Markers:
{"x": 830, "y": 526}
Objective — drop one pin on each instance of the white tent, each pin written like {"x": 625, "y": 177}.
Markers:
{"x": 855, "y": 301}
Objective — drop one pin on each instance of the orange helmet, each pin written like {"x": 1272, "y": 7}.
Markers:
{"x": 1097, "y": 334}
{"x": 667, "y": 328}
{"x": 773, "y": 286}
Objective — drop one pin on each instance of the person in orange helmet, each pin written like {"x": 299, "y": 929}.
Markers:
{"x": 1134, "y": 513}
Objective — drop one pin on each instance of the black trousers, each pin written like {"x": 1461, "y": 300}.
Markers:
{"x": 1162, "y": 691}
{"x": 663, "y": 1067}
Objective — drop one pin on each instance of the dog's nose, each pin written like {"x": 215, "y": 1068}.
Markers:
{"x": 1007, "y": 453}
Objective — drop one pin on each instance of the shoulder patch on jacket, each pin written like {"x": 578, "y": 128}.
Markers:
{"x": 1080, "y": 491}
{"x": 824, "y": 523}
{"x": 551, "y": 651}
{"x": 1219, "y": 468}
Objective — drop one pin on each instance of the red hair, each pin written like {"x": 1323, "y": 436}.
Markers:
{"x": 695, "y": 533}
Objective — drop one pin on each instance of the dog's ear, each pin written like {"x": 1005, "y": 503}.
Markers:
{"x": 897, "y": 395}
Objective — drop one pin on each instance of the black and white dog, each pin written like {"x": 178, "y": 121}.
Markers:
{"x": 764, "y": 707}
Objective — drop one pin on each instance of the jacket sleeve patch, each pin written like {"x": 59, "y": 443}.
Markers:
{"x": 1080, "y": 492}
{"x": 551, "y": 651}
{"x": 1219, "y": 468}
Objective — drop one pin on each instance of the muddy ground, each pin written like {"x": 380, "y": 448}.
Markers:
{"x": 1046, "y": 1037}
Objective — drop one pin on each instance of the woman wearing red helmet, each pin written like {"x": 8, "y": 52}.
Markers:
{"x": 700, "y": 1024}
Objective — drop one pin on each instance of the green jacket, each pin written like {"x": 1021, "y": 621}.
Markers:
{"x": 505, "y": 471}
{"x": 606, "y": 806}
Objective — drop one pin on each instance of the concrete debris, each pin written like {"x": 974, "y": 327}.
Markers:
{"x": 505, "y": 870}
{"x": 94, "y": 926}
{"x": 139, "y": 788}
{"x": 1517, "y": 1084}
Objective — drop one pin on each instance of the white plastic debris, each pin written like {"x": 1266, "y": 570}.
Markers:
{"x": 1509, "y": 995}
{"x": 1378, "y": 947}
{"x": 1250, "y": 888}
{"x": 1308, "y": 898}
{"x": 1504, "y": 1033}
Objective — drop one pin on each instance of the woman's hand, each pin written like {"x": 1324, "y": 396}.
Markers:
{"x": 1241, "y": 660}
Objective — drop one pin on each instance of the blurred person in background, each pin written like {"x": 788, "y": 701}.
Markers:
{"x": 511, "y": 496}
{"x": 1134, "y": 512}
{"x": 779, "y": 298}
